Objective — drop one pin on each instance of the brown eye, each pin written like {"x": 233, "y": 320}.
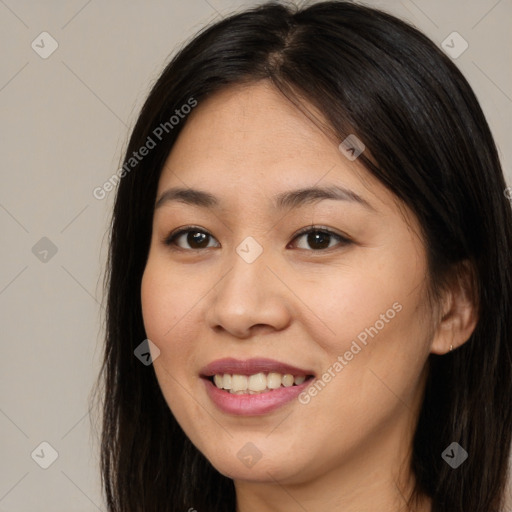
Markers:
{"x": 320, "y": 239}
{"x": 194, "y": 237}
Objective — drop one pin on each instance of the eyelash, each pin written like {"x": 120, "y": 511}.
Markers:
{"x": 170, "y": 239}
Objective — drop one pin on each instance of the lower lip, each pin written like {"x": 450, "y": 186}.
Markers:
{"x": 253, "y": 405}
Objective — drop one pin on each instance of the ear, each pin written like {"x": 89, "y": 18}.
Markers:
{"x": 457, "y": 317}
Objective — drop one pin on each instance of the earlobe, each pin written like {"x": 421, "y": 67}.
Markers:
{"x": 459, "y": 315}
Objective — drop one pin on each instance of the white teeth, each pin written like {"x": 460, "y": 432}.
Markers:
{"x": 299, "y": 380}
{"x": 274, "y": 380}
{"x": 239, "y": 382}
{"x": 287, "y": 380}
{"x": 227, "y": 382}
{"x": 257, "y": 383}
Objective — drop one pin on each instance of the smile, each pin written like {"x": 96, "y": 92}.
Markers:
{"x": 253, "y": 387}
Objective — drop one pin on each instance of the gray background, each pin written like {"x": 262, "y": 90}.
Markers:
{"x": 65, "y": 123}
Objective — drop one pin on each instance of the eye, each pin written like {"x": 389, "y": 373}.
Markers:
{"x": 320, "y": 238}
{"x": 196, "y": 238}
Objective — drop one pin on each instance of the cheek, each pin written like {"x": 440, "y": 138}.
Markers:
{"x": 166, "y": 300}
{"x": 377, "y": 316}
{"x": 364, "y": 302}
{"x": 164, "y": 314}
{"x": 155, "y": 300}
{"x": 165, "y": 322}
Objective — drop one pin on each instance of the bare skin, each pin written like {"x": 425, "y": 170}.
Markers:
{"x": 346, "y": 449}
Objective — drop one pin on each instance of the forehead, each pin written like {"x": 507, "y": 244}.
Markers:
{"x": 251, "y": 121}
{"x": 254, "y": 136}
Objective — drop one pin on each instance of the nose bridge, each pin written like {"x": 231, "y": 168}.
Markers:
{"x": 246, "y": 279}
{"x": 249, "y": 293}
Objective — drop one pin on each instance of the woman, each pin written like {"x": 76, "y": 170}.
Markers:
{"x": 311, "y": 244}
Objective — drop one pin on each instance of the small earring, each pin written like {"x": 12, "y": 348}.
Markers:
{"x": 451, "y": 348}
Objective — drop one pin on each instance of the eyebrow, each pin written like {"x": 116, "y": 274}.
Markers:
{"x": 289, "y": 199}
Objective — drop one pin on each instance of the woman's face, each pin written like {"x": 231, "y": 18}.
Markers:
{"x": 322, "y": 338}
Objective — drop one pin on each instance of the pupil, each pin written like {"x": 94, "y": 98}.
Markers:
{"x": 191, "y": 240}
{"x": 318, "y": 236}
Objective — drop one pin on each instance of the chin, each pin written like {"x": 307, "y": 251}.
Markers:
{"x": 249, "y": 465}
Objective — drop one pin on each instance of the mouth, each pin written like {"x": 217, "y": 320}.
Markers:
{"x": 254, "y": 386}
{"x": 257, "y": 383}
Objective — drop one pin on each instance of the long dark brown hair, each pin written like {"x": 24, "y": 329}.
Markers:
{"x": 376, "y": 76}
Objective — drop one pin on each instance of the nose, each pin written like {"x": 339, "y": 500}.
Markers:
{"x": 250, "y": 298}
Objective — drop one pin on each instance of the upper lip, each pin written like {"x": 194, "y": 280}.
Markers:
{"x": 250, "y": 367}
